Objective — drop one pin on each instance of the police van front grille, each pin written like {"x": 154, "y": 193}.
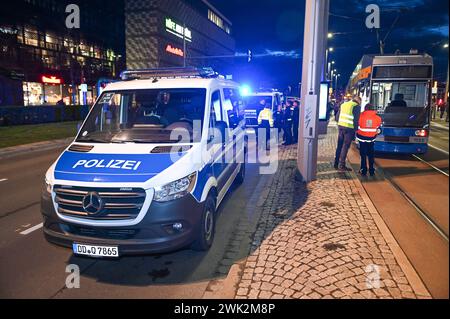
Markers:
{"x": 108, "y": 203}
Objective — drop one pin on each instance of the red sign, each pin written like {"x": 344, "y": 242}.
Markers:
{"x": 51, "y": 80}
{"x": 174, "y": 50}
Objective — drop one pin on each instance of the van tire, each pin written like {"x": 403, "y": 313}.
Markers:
{"x": 207, "y": 227}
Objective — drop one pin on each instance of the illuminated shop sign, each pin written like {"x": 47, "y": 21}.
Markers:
{"x": 173, "y": 50}
{"x": 178, "y": 30}
{"x": 51, "y": 80}
{"x": 8, "y": 30}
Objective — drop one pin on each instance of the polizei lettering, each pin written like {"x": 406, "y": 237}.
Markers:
{"x": 113, "y": 164}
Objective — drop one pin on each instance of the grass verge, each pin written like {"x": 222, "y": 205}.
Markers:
{"x": 25, "y": 134}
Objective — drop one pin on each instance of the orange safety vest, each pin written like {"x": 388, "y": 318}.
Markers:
{"x": 369, "y": 123}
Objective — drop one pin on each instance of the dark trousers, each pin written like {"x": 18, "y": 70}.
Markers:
{"x": 287, "y": 130}
{"x": 366, "y": 150}
{"x": 266, "y": 126}
{"x": 295, "y": 132}
{"x": 345, "y": 139}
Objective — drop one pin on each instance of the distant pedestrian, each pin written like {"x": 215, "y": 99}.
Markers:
{"x": 265, "y": 120}
{"x": 288, "y": 115}
{"x": 442, "y": 108}
{"x": 368, "y": 129}
{"x": 446, "y": 110}
{"x": 347, "y": 124}
{"x": 295, "y": 121}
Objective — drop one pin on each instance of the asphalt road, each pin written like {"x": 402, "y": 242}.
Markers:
{"x": 32, "y": 268}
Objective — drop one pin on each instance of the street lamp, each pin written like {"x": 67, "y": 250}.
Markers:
{"x": 446, "y": 85}
{"x": 327, "y": 63}
{"x": 330, "y": 35}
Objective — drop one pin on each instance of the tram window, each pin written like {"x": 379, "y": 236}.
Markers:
{"x": 387, "y": 95}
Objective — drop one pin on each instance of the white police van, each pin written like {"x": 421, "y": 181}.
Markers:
{"x": 254, "y": 105}
{"x": 149, "y": 167}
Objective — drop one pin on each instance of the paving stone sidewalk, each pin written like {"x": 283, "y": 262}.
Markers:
{"x": 319, "y": 240}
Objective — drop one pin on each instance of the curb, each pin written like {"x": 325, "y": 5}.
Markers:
{"x": 408, "y": 269}
{"x": 9, "y": 152}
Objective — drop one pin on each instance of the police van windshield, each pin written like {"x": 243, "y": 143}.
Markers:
{"x": 145, "y": 116}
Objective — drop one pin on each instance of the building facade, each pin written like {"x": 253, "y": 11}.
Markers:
{"x": 44, "y": 62}
{"x": 171, "y": 33}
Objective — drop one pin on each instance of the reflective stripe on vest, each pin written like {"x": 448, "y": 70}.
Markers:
{"x": 346, "y": 117}
{"x": 369, "y": 130}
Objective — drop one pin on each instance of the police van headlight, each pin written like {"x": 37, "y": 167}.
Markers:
{"x": 175, "y": 190}
{"x": 47, "y": 187}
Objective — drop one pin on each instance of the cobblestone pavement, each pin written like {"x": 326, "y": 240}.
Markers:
{"x": 319, "y": 240}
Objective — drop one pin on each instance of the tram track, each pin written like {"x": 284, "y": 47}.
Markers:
{"x": 410, "y": 199}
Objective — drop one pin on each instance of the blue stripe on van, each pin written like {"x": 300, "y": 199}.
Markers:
{"x": 126, "y": 168}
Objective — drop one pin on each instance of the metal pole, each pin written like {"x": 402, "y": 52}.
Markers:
{"x": 314, "y": 54}
{"x": 184, "y": 44}
{"x": 446, "y": 86}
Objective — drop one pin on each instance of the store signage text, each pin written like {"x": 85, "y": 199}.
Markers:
{"x": 51, "y": 80}
{"x": 173, "y": 50}
{"x": 178, "y": 30}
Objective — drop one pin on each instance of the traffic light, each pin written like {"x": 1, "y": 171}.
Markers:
{"x": 250, "y": 56}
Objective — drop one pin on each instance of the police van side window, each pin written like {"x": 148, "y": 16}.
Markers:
{"x": 216, "y": 105}
{"x": 234, "y": 107}
{"x": 215, "y": 116}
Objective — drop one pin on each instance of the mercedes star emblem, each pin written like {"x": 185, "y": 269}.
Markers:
{"x": 93, "y": 203}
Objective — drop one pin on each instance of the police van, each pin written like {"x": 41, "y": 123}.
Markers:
{"x": 150, "y": 166}
{"x": 255, "y": 103}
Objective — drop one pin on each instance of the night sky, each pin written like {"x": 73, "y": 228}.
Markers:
{"x": 273, "y": 30}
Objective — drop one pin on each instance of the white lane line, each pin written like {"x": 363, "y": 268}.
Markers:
{"x": 3, "y": 180}
{"x": 438, "y": 149}
{"x": 439, "y": 125}
{"x": 32, "y": 229}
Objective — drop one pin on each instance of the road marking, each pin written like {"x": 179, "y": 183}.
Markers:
{"x": 438, "y": 149}
{"x": 439, "y": 125}
{"x": 3, "y": 180}
{"x": 32, "y": 229}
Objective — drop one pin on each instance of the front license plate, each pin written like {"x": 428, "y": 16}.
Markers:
{"x": 96, "y": 251}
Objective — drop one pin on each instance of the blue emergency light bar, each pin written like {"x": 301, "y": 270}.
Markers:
{"x": 169, "y": 73}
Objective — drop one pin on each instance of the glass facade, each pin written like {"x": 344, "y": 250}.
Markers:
{"x": 35, "y": 42}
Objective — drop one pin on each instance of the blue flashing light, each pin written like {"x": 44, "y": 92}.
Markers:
{"x": 245, "y": 90}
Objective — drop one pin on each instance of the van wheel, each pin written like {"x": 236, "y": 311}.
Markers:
{"x": 207, "y": 227}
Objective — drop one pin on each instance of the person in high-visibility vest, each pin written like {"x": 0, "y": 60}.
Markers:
{"x": 368, "y": 129}
{"x": 265, "y": 119}
{"x": 347, "y": 123}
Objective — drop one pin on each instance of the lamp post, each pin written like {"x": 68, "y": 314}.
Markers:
{"x": 314, "y": 52}
{"x": 446, "y": 85}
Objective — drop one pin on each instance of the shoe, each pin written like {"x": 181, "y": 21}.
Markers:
{"x": 372, "y": 174}
{"x": 336, "y": 166}
{"x": 345, "y": 169}
{"x": 362, "y": 173}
